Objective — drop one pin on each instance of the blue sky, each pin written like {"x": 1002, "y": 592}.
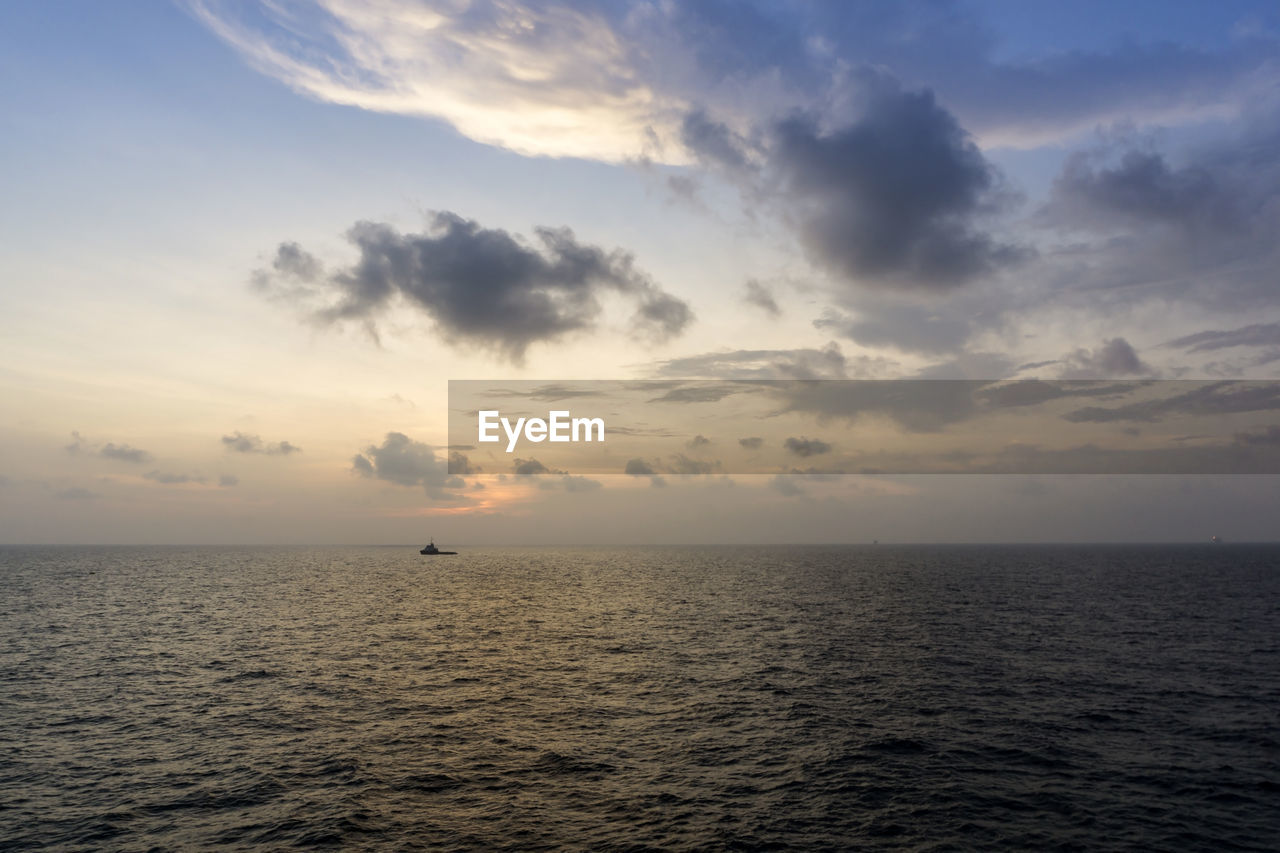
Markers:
{"x": 198, "y": 198}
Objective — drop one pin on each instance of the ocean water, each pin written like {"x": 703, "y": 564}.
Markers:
{"x": 882, "y": 697}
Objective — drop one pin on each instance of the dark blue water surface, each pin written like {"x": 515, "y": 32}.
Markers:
{"x": 923, "y": 698}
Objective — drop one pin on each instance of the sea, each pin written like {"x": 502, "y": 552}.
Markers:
{"x": 881, "y": 697}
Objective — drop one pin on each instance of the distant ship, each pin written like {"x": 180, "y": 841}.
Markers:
{"x": 1216, "y": 540}
{"x": 432, "y": 550}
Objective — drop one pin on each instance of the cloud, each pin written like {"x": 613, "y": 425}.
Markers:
{"x": 124, "y": 453}
{"x": 571, "y": 483}
{"x": 482, "y": 286}
{"x": 1268, "y": 436}
{"x": 971, "y": 365}
{"x": 243, "y": 443}
{"x": 1204, "y": 399}
{"x": 804, "y": 363}
{"x": 551, "y": 392}
{"x": 405, "y": 462}
{"x": 1115, "y": 357}
{"x": 701, "y": 393}
{"x": 1256, "y": 335}
{"x": 681, "y": 464}
{"x": 538, "y": 78}
{"x": 697, "y": 441}
{"x": 918, "y": 405}
{"x": 76, "y": 494}
{"x": 1199, "y": 226}
{"x": 639, "y": 467}
{"x": 806, "y": 447}
{"x": 1034, "y": 392}
{"x": 751, "y": 443}
{"x": 786, "y": 485}
{"x": 635, "y": 79}
{"x": 891, "y": 199}
{"x": 227, "y": 481}
{"x": 110, "y": 450}
{"x": 170, "y": 479}
{"x": 531, "y": 467}
{"x": 460, "y": 464}
{"x": 1141, "y": 189}
{"x": 712, "y": 142}
{"x": 924, "y": 329}
{"x": 761, "y": 296}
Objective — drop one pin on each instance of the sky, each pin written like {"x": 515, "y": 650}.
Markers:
{"x": 247, "y": 246}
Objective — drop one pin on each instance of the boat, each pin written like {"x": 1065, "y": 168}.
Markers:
{"x": 432, "y": 550}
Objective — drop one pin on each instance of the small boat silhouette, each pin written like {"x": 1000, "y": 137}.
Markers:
{"x": 432, "y": 550}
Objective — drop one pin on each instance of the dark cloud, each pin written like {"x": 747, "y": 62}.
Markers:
{"x": 806, "y": 363}
{"x": 661, "y": 316}
{"x": 110, "y": 450}
{"x": 931, "y": 330}
{"x": 228, "y": 480}
{"x": 713, "y": 142}
{"x": 697, "y": 441}
{"x": 244, "y": 443}
{"x": 806, "y": 446}
{"x": 701, "y": 392}
{"x": 401, "y": 460}
{"x": 292, "y": 261}
{"x": 761, "y": 296}
{"x": 681, "y": 464}
{"x": 893, "y": 198}
{"x": 76, "y": 494}
{"x": 786, "y": 485}
{"x": 1141, "y": 189}
{"x": 1037, "y": 96}
{"x": 1115, "y": 357}
{"x": 549, "y": 393}
{"x": 1034, "y": 392}
{"x": 1203, "y": 399}
{"x": 579, "y": 484}
{"x": 751, "y": 443}
{"x": 170, "y": 479}
{"x": 124, "y": 453}
{"x": 531, "y": 467}
{"x": 1257, "y": 335}
{"x": 460, "y": 464}
{"x": 1200, "y": 227}
{"x": 639, "y": 468}
{"x": 971, "y": 365}
{"x": 685, "y": 189}
{"x": 1268, "y": 436}
{"x": 918, "y": 405}
{"x": 481, "y": 286}
{"x": 361, "y": 465}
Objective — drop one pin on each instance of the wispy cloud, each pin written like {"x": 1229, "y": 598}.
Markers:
{"x": 537, "y": 78}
